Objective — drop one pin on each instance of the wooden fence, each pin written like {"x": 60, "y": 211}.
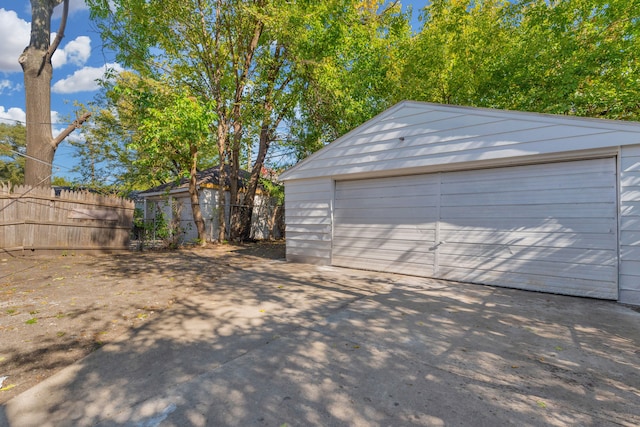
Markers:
{"x": 35, "y": 220}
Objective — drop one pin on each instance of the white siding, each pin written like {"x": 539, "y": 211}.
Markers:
{"x": 209, "y": 208}
{"x": 308, "y": 220}
{"x": 630, "y": 225}
{"x": 187, "y": 226}
{"x": 424, "y": 137}
{"x": 263, "y": 220}
{"x": 208, "y": 203}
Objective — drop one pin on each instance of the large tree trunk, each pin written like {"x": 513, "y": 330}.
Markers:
{"x": 40, "y": 145}
{"x": 195, "y": 199}
{"x": 236, "y": 204}
{"x": 37, "y": 68}
{"x": 252, "y": 187}
{"x": 267, "y": 135}
{"x": 222, "y": 181}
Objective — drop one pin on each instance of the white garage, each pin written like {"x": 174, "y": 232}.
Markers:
{"x": 529, "y": 201}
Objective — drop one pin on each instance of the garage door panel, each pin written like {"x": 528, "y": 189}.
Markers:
{"x": 401, "y": 267}
{"x": 578, "y": 225}
{"x": 528, "y": 239}
{"x": 548, "y": 227}
{"x": 531, "y": 266}
{"x": 585, "y": 169}
{"x": 541, "y": 283}
{"x": 537, "y": 197}
{"x": 530, "y": 182}
{"x": 559, "y": 213}
{"x": 375, "y": 255}
{"x": 397, "y": 190}
{"x": 576, "y": 256}
{"x": 421, "y": 184}
{"x": 400, "y": 215}
{"x": 374, "y": 202}
{"x": 381, "y": 244}
{"x": 401, "y": 234}
{"x": 556, "y": 262}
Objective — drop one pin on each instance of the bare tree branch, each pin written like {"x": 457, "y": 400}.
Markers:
{"x": 73, "y": 126}
{"x": 60, "y": 33}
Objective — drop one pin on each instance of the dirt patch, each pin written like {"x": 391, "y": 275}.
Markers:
{"x": 56, "y": 310}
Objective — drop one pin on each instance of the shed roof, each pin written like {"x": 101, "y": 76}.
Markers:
{"x": 413, "y": 137}
{"x": 207, "y": 177}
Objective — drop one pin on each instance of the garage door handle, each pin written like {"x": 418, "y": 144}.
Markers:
{"x": 437, "y": 245}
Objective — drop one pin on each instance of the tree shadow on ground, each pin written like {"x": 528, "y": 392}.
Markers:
{"x": 275, "y": 343}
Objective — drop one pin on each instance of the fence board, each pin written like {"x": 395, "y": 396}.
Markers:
{"x": 35, "y": 219}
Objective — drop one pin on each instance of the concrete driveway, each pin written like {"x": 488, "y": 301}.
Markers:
{"x": 298, "y": 345}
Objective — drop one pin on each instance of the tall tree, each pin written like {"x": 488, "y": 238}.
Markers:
{"x": 38, "y": 71}
{"x": 572, "y": 57}
{"x": 355, "y": 57}
{"x": 168, "y": 131}
{"x": 454, "y": 54}
{"x": 250, "y": 58}
{"x": 566, "y": 57}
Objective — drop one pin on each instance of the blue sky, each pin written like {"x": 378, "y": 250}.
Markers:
{"x": 77, "y": 63}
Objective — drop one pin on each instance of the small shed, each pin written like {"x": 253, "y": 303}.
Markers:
{"x": 173, "y": 203}
{"x": 514, "y": 199}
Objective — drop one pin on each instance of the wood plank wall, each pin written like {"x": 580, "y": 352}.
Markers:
{"x": 35, "y": 220}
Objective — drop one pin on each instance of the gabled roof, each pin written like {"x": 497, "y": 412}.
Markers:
{"x": 206, "y": 178}
{"x": 413, "y": 137}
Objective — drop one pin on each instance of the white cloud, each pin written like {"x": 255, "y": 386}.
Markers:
{"x": 7, "y": 86}
{"x": 83, "y": 80}
{"x": 76, "y": 52}
{"x": 74, "y": 6}
{"x": 75, "y": 136}
{"x": 55, "y": 117}
{"x": 17, "y": 114}
{"x": 14, "y": 33}
{"x": 12, "y": 114}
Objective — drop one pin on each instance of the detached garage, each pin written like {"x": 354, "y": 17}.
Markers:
{"x": 520, "y": 200}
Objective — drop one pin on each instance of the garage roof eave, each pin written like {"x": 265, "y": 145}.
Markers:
{"x": 417, "y": 136}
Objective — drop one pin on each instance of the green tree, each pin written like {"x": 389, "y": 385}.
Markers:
{"x": 61, "y": 181}
{"x": 575, "y": 57}
{"x": 172, "y": 128}
{"x": 12, "y": 150}
{"x": 354, "y": 62}
{"x": 572, "y": 57}
{"x": 105, "y": 156}
{"x": 453, "y": 56}
{"x": 252, "y": 59}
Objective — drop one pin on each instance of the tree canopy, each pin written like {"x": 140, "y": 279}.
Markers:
{"x": 578, "y": 57}
{"x": 254, "y": 62}
{"x": 295, "y": 75}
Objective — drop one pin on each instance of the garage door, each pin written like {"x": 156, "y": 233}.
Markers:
{"x": 549, "y": 227}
